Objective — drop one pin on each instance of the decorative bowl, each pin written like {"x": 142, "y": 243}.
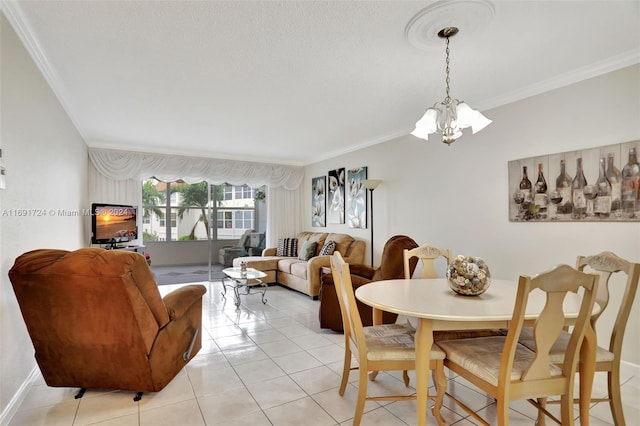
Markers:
{"x": 468, "y": 276}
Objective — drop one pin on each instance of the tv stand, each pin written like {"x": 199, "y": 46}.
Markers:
{"x": 138, "y": 249}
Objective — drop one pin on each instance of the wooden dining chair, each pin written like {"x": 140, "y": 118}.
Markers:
{"x": 427, "y": 254}
{"x": 507, "y": 370}
{"x": 605, "y": 265}
{"x": 384, "y": 347}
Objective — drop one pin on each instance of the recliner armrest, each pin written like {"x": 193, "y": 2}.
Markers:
{"x": 178, "y": 301}
{"x": 361, "y": 270}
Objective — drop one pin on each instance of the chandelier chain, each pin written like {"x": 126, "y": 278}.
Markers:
{"x": 448, "y": 97}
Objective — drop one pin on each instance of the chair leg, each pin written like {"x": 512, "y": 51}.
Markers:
{"x": 615, "y": 399}
{"x": 346, "y": 369}
{"x": 566, "y": 409}
{"x": 502, "y": 411}
{"x": 362, "y": 396}
{"x": 440, "y": 382}
{"x": 405, "y": 378}
{"x": 542, "y": 418}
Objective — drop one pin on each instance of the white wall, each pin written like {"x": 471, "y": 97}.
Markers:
{"x": 456, "y": 196}
{"x": 46, "y": 161}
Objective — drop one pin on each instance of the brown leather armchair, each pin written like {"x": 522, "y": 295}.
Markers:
{"x": 391, "y": 267}
{"x": 97, "y": 320}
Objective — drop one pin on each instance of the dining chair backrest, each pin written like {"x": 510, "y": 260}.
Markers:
{"x": 351, "y": 321}
{"x": 508, "y": 370}
{"x": 605, "y": 265}
{"x": 556, "y": 283}
{"x": 427, "y": 255}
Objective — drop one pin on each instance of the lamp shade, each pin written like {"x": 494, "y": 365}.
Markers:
{"x": 371, "y": 183}
{"x": 427, "y": 124}
{"x": 480, "y": 123}
{"x": 469, "y": 117}
{"x": 466, "y": 115}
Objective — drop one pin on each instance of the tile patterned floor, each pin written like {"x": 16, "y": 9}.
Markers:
{"x": 270, "y": 365}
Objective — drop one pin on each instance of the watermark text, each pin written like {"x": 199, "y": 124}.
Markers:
{"x": 46, "y": 212}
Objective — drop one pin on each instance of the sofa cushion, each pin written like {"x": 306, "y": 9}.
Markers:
{"x": 308, "y": 250}
{"x": 299, "y": 269}
{"x": 343, "y": 242}
{"x": 285, "y": 264}
{"x": 318, "y": 237}
{"x": 287, "y": 247}
{"x": 328, "y": 248}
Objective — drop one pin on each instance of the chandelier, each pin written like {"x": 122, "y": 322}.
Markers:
{"x": 449, "y": 117}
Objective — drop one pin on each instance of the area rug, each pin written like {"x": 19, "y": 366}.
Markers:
{"x": 165, "y": 275}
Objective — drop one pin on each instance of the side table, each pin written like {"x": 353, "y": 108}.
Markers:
{"x": 249, "y": 279}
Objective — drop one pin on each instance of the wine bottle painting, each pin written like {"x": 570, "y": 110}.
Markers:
{"x": 597, "y": 184}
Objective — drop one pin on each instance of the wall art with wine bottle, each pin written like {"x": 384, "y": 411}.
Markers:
{"x": 597, "y": 184}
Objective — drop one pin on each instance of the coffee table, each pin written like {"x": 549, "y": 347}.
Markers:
{"x": 248, "y": 279}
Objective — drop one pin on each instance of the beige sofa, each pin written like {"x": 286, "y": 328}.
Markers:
{"x": 304, "y": 275}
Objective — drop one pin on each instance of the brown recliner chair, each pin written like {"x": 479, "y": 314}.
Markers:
{"x": 97, "y": 320}
{"x": 391, "y": 267}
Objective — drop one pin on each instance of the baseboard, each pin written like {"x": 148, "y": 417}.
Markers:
{"x": 11, "y": 408}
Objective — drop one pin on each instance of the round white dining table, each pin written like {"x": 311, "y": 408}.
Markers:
{"x": 437, "y": 307}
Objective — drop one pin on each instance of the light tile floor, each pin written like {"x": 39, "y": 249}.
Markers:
{"x": 270, "y": 365}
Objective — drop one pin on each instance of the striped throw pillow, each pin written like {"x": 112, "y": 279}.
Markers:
{"x": 287, "y": 247}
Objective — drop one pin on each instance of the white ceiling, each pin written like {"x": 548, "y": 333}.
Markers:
{"x": 293, "y": 82}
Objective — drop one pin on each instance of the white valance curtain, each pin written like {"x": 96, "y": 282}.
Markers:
{"x": 122, "y": 165}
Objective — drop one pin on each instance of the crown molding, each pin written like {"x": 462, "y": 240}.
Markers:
{"x": 145, "y": 149}
{"x": 614, "y": 63}
{"x": 15, "y": 16}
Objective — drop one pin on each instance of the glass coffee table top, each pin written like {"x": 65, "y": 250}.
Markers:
{"x": 238, "y": 274}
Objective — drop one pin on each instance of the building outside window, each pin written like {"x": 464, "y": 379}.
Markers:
{"x": 187, "y": 207}
{"x": 235, "y": 211}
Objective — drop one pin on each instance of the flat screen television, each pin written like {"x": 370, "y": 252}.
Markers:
{"x": 112, "y": 224}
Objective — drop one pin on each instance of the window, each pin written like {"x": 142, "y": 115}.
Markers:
{"x": 225, "y": 220}
{"x": 244, "y": 219}
{"x": 243, "y": 192}
{"x": 174, "y": 211}
{"x": 228, "y": 192}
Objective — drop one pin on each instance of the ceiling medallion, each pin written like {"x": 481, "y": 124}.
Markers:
{"x": 469, "y": 15}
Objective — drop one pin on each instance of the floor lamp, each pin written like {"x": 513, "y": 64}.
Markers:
{"x": 371, "y": 184}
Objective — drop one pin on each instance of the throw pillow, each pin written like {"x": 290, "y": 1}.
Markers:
{"x": 308, "y": 250}
{"x": 287, "y": 247}
{"x": 328, "y": 248}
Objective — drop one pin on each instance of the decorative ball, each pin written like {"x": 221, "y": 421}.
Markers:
{"x": 468, "y": 276}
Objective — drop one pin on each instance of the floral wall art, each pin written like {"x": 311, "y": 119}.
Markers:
{"x": 335, "y": 208}
{"x": 356, "y": 198}
{"x": 318, "y": 201}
